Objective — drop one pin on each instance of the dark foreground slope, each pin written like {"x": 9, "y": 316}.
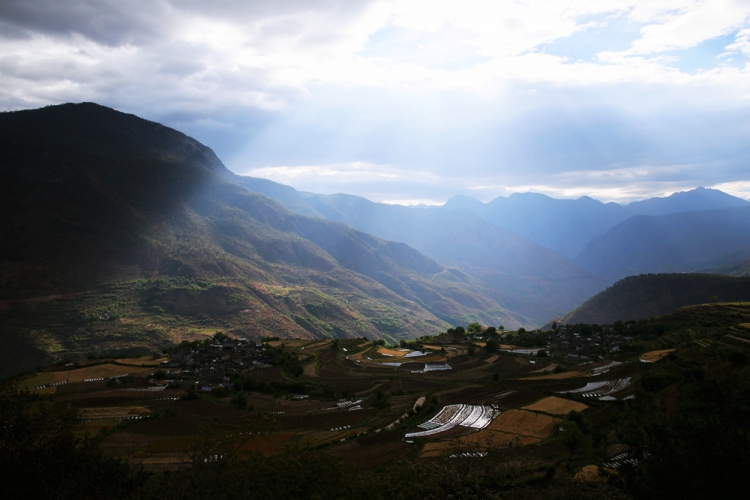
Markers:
{"x": 119, "y": 232}
{"x": 647, "y": 295}
{"x": 529, "y": 279}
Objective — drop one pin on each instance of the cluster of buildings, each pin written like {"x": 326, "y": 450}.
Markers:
{"x": 211, "y": 364}
{"x": 568, "y": 343}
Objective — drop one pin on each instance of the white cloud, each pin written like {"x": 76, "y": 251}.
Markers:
{"x": 237, "y": 73}
{"x": 740, "y": 189}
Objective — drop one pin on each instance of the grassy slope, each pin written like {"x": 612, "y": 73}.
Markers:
{"x": 531, "y": 280}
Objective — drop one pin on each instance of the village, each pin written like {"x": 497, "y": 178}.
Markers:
{"x": 209, "y": 365}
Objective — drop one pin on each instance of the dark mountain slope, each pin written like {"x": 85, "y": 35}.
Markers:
{"x": 522, "y": 276}
{"x": 640, "y": 297}
{"x": 569, "y": 225}
{"x": 735, "y": 264}
{"x": 670, "y": 243}
{"x": 110, "y": 216}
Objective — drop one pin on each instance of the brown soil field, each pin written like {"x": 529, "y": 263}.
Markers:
{"x": 392, "y": 352}
{"x": 524, "y": 423}
{"x": 430, "y": 358}
{"x": 373, "y": 455}
{"x": 357, "y": 355}
{"x": 492, "y": 359}
{"x": 264, "y": 443}
{"x": 165, "y": 461}
{"x": 290, "y": 344}
{"x": 92, "y": 427}
{"x": 166, "y": 427}
{"x": 31, "y": 383}
{"x": 519, "y": 398}
{"x": 309, "y": 369}
{"x": 590, "y": 473}
{"x": 547, "y": 368}
{"x": 267, "y": 443}
{"x": 654, "y": 356}
{"x": 125, "y": 444}
{"x": 473, "y": 395}
{"x": 114, "y": 412}
{"x": 522, "y": 361}
{"x": 325, "y": 437}
{"x": 456, "y": 350}
{"x": 59, "y": 377}
{"x": 142, "y": 361}
{"x": 474, "y": 441}
{"x": 496, "y": 439}
{"x": 202, "y": 408}
{"x": 556, "y": 406}
{"x": 105, "y": 371}
{"x": 170, "y": 445}
{"x": 438, "y": 449}
{"x": 111, "y": 397}
{"x": 318, "y": 345}
{"x": 325, "y": 419}
{"x": 555, "y": 376}
{"x": 508, "y": 346}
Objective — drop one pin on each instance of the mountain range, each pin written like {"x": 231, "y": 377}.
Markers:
{"x": 568, "y": 226}
{"x": 525, "y": 277}
{"x": 111, "y": 216}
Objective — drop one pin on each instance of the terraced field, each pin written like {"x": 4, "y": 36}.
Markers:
{"x": 359, "y": 402}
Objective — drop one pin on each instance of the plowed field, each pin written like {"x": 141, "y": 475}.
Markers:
{"x": 556, "y": 406}
{"x": 654, "y": 356}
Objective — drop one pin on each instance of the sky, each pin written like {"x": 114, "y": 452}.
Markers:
{"x": 413, "y": 101}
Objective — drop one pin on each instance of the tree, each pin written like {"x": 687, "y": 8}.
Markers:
{"x": 492, "y": 345}
{"x": 701, "y": 450}
{"x": 43, "y": 456}
{"x": 239, "y": 401}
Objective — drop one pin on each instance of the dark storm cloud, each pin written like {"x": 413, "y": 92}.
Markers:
{"x": 104, "y": 21}
{"x": 112, "y": 22}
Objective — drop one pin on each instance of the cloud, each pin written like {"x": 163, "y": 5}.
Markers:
{"x": 411, "y": 100}
{"x": 740, "y": 189}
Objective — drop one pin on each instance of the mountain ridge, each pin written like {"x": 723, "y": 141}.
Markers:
{"x": 534, "y": 281}
{"x": 649, "y": 295}
{"x": 568, "y": 225}
{"x": 669, "y": 243}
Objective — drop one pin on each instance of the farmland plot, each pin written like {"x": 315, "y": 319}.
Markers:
{"x": 654, "y": 356}
{"x": 556, "y": 376}
{"x": 601, "y": 388}
{"x": 475, "y": 417}
{"x": 514, "y": 427}
{"x": 556, "y": 406}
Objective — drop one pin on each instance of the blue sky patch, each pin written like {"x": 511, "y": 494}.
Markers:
{"x": 613, "y": 34}
{"x": 705, "y": 56}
